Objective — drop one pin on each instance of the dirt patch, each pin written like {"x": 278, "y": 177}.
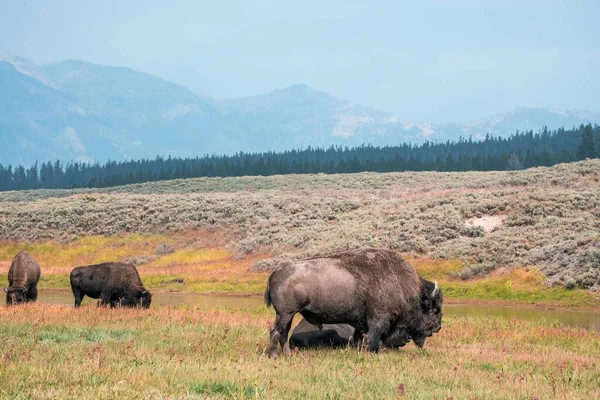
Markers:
{"x": 487, "y": 222}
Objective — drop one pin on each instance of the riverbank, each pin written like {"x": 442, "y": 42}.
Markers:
{"x": 64, "y": 296}
{"x": 577, "y": 317}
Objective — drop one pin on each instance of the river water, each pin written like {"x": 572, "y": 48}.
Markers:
{"x": 576, "y": 318}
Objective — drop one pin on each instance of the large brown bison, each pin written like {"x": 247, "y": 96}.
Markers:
{"x": 114, "y": 283}
{"x": 375, "y": 291}
{"x": 23, "y": 276}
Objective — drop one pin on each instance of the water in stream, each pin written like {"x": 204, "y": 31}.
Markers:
{"x": 578, "y": 318}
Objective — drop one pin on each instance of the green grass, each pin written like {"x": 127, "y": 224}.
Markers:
{"x": 57, "y": 352}
{"x": 534, "y": 295}
{"x": 522, "y": 285}
{"x": 251, "y": 284}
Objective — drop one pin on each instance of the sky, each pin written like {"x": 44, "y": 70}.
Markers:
{"x": 437, "y": 61}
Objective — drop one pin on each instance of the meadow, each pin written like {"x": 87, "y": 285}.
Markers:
{"x": 523, "y": 237}
{"x": 58, "y": 352}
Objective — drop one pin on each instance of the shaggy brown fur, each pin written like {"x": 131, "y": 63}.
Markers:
{"x": 114, "y": 283}
{"x": 375, "y": 291}
{"x": 23, "y": 276}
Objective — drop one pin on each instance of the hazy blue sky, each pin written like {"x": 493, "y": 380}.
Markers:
{"x": 419, "y": 60}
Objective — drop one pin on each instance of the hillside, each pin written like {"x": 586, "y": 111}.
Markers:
{"x": 74, "y": 110}
{"x": 546, "y": 218}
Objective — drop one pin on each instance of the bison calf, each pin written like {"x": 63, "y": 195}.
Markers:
{"x": 330, "y": 335}
{"x": 375, "y": 291}
{"x": 339, "y": 335}
{"x": 23, "y": 276}
{"x": 113, "y": 283}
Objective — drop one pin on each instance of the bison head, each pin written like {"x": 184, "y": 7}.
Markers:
{"x": 145, "y": 299}
{"x": 396, "y": 338}
{"x": 15, "y": 295}
{"x": 431, "y": 308}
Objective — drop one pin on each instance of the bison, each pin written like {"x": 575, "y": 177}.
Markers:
{"x": 338, "y": 335}
{"x": 113, "y": 283}
{"x": 375, "y": 291}
{"x": 23, "y": 276}
{"x": 330, "y": 335}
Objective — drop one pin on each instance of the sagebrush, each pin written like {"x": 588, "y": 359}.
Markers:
{"x": 551, "y": 216}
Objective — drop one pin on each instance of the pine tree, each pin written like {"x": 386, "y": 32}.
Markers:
{"x": 597, "y": 142}
{"x": 586, "y": 146}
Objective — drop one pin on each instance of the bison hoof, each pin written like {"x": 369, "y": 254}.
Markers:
{"x": 286, "y": 349}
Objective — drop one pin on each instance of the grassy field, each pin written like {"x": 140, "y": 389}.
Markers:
{"x": 511, "y": 237}
{"x": 58, "y": 352}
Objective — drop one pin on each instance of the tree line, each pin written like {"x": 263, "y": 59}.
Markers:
{"x": 518, "y": 151}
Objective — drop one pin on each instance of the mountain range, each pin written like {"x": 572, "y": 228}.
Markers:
{"x": 74, "y": 110}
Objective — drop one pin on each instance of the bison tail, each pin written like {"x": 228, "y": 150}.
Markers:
{"x": 267, "y": 297}
{"x": 267, "y": 294}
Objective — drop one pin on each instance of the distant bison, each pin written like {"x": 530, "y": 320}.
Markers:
{"x": 375, "y": 291}
{"x": 113, "y": 283}
{"x": 23, "y": 277}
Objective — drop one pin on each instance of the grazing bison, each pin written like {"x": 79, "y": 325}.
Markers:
{"x": 113, "y": 283}
{"x": 23, "y": 276}
{"x": 337, "y": 335}
{"x": 375, "y": 291}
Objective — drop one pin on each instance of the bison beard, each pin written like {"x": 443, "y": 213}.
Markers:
{"x": 23, "y": 277}
{"x": 375, "y": 291}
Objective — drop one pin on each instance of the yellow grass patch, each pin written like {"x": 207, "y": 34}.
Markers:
{"x": 187, "y": 268}
{"x": 56, "y": 257}
{"x": 190, "y": 257}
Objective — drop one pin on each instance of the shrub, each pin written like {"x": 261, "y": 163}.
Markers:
{"x": 548, "y": 225}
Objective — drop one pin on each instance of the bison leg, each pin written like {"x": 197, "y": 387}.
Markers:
{"x": 279, "y": 334}
{"x": 357, "y": 337}
{"x": 105, "y": 299}
{"x": 376, "y": 329}
{"x": 32, "y": 293}
{"x": 78, "y": 296}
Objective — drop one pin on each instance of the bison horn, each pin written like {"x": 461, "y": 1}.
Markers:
{"x": 5, "y": 291}
{"x": 436, "y": 290}
{"x": 144, "y": 292}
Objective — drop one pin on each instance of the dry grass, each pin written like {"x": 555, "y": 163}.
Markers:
{"x": 60, "y": 352}
{"x": 60, "y": 257}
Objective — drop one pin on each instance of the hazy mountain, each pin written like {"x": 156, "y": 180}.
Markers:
{"x": 299, "y": 116}
{"x": 521, "y": 119}
{"x": 77, "y": 110}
